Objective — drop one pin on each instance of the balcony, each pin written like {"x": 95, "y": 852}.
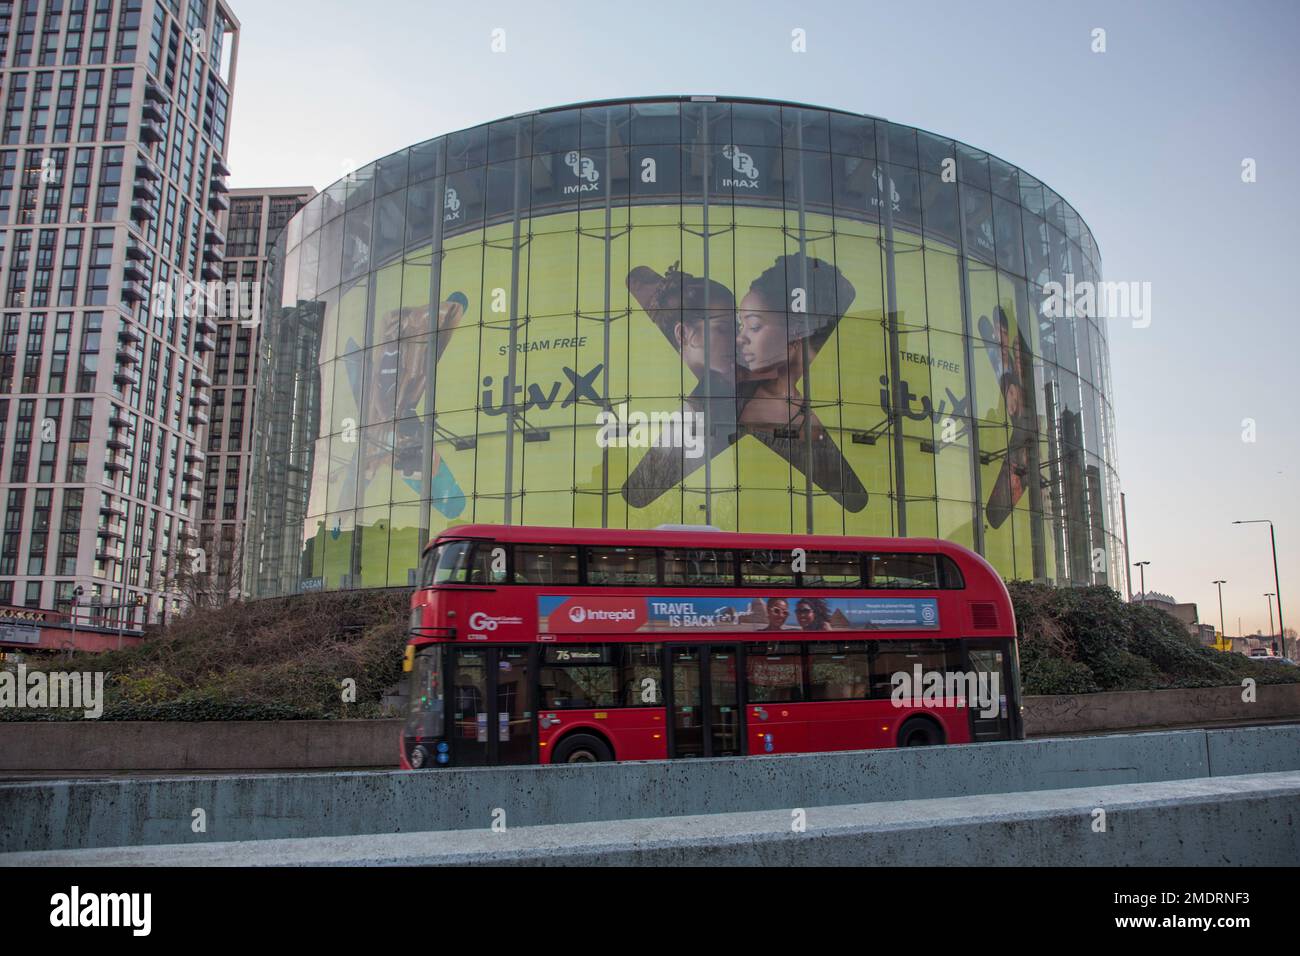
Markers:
{"x": 219, "y": 168}
{"x": 133, "y": 292}
{"x": 130, "y": 334}
{"x": 214, "y": 236}
{"x": 194, "y": 456}
{"x": 143, "y": 189}
{"x": 118, "y": 421}
{"x": 135, "y": 272}
{"x": 127, "y": 377}
{"x": 154, "y": 92}
{"x": 112, "y": 509}
{"x": 198, "y": 417}
{"x": 218, "y": 202}
{"x": 115, "y": 464}
{"x": 192, "y": 477}
{"x": 111, "y": 531}
{"x": 141, "y": 212}
{"x": 137, "y": 252}
{"x": 210, "y": 270}
{"x": 200, "y": 377}
{"x": 190, "y": 495}
{"x": 146, "y": 168}
{"x": 127, "y": 356}
{"x": 118, "y": 444}
{"x": 204, "y": 343}
{"x": 151, "y": 132}
{"x": 200, "y": 398}
{"x": 205, "y": 325}
{"x": 213, "y": 254}
{"x": 215, "y": 185}
{"x": 104, "y": 553}
{"x": 153, "y": 111}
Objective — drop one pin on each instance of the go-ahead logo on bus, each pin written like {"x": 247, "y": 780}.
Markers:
{"x": 478, "y": 621}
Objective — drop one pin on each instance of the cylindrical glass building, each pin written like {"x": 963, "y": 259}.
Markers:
{"x": 757, "y": 315}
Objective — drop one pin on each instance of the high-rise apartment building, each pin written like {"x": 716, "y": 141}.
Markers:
{"x": 112, "y": 144}
{"x": 253, "y": 223}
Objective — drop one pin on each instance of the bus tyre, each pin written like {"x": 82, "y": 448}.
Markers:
{"x": 919, "y": 732}
{"x": 581, "y": 748}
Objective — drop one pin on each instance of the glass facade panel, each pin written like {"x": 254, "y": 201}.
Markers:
{"x": 758, "y": 316}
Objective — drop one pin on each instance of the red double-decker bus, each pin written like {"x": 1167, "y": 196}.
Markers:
{"x": 559, "y": 645}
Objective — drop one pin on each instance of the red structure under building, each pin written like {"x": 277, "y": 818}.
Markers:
{"x": 39, "y": 630}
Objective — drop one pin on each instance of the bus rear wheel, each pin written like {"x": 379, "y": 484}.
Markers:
{"x": 919, "y": 732}
{"x": 581, "y": 748}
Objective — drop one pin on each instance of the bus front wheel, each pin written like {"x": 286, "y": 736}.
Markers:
{"x": 919, "y": 732}
{"x": 581, "y": 748}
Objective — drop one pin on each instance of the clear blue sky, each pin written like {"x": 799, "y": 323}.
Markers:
{"x": 1145, "y": 140}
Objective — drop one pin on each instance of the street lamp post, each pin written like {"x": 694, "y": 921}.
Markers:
{"x": 1223, "y": 630}
{"x": 1142, "y": 577}
{"x": 1269, "y": 595}
{"x": 1277, "y": 585}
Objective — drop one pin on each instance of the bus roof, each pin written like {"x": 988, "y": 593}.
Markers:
{"x": 538, "y": 534}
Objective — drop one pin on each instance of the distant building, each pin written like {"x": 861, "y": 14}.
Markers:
{"x": 1186, "y": 614}
{"x": 254, "y": 221}
{"x": 112, "y": 182}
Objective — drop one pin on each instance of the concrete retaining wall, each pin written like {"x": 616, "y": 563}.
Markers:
{"x": 1132, "y": 710}
{"x": 1234, "y": 821}
{"x": 91, "y": 746}
{"x": 142, "y": 811}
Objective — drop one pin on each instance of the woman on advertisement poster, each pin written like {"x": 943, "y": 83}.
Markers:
{"x": 776, "y": 344}
{"x": 1013, "y": 365}
{"x": 398, "y": 389}
{"x": 755, "y": 357}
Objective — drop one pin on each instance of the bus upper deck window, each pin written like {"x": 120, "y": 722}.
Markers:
{"x": 902, "y": 571}
{"x": 453, "y": 562}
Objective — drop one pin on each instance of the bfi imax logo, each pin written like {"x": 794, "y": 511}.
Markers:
{"x": 585, "y": 170}
{"x": 1098, "y": 300}
{"x": 742, "y": 164}
{"x": 451, "y": 205}
{"x": 620, "y": 428}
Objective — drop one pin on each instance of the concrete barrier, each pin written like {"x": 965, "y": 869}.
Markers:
{"x": 88, "y": 745}
{"x": 108, "y": 746}
{"x": 1234, "y": 821}
{"x": 144, "y": 811}
{"x": 1133, "y": 710}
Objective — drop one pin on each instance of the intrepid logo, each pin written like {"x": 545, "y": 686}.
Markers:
{"x": 584, "y": 169}
{"x": 579, "y": 614}
{"x": 743, "y": 164}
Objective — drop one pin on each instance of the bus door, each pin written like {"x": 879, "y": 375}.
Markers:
{"x": 484, "y": 733}
{"x": 704, "y": 699}
{"x": 991, "y": 664}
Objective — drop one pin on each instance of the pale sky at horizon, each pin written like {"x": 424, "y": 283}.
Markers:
{"x": 1145, "y": 140}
